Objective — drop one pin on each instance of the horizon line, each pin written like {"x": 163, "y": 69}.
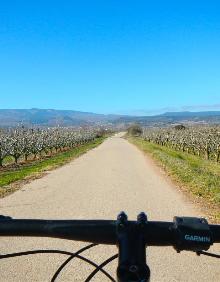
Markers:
{"x": 150, "y": 112}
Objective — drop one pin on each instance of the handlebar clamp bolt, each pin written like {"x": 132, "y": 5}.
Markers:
{"x": 142, "y": 218}
{"x": 133, "y": 268}
{"x": 122, "y": 217}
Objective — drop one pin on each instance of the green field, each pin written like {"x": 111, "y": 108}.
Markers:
{"x": 198, "y": 176}
{"x": 35, "y": 169}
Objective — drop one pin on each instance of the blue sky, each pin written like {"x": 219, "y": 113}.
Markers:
{"x": 130, "y": 57}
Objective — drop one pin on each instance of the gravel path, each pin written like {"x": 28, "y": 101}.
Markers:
{"x": 112, "y": 177}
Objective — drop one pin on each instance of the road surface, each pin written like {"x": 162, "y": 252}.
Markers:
{"x": 112, "y": 177}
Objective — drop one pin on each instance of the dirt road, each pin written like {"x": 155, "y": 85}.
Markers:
{"x": 113, "y": 177}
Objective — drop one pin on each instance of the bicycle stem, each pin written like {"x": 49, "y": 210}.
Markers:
{"x": 132, "y": 265}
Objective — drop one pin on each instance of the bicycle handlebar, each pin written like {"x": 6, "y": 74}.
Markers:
{"x": 131, "y": 237}
{"x": 156, "y": 233}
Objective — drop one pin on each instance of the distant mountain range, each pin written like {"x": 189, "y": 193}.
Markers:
{"x": 50, "y": 117}
{"x": 209, "y": 117}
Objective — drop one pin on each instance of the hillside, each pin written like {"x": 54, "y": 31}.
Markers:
{"x": 210, "y": 117}
{"x": 50, "y": 117}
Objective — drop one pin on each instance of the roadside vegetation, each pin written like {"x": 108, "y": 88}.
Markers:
{"x": 134, "y": 130}
{"x": 25, "y": 144}
{"x": 199, "y": 176}
{"x": 202, "y": 141}
{"x": 11, "y": 176}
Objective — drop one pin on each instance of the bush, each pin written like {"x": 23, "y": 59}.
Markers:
{"x": 180, "y": 127}
{"x": 101, "y": 133}
{"x": 135, "y": 130}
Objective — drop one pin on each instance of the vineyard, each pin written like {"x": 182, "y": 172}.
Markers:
{"x": 29, "y": 144}
{"x": 203, "y": 141}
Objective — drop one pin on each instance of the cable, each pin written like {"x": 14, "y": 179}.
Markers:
{"x": 54, "y": 252}
{"x": 69, "y": 259}
{"x": 35, "y": 252}
{"x": 208, "y": 254}
{"x": 74, "y": 256}
{"x": 99, "y": 268}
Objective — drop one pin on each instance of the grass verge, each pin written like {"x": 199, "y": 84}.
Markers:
{"x": 35, "y": 169}
{"x": 199, "y": 177}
